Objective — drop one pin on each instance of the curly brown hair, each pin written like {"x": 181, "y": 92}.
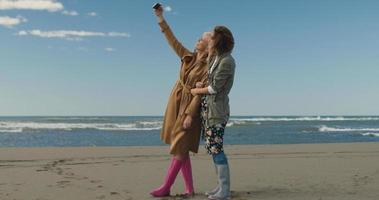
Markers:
{"x": 223, "y": 40}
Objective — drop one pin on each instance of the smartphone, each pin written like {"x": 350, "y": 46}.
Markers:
{"x": 157, "y": 5}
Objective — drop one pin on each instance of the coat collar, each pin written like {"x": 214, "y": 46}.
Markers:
{"x": 220, "y": 57}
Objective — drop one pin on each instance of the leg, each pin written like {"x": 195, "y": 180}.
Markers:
{"x": 214, "y": 145}
{"x": 187, "y": 176}
{"x": 186, "y": 172}
{"x": 172, "y": 172}
{"x": 182, "y": 157}
{"x": 209, "y": 142}
{"x": 221, "y": 163}
{"x": 216, "y": 189}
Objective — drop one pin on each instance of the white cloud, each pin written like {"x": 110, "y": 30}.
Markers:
{"x": 9, "y": 22}
{"x": 70, "y": 13}
{"x": 63, "y": 33}
{"x": 168, "y": 8}
{"x": 109, "y": 49}
{"x": 70, "y": 34}
{"x": 117, "y": 34}
{"x": 92, "y": 14}
{"x": 22, "y": 33}
{"x": 49, "y": 5}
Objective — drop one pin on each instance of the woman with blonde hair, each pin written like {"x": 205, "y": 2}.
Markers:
{"x": 181, "y": 125}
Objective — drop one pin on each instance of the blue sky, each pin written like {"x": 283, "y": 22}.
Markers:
{"x": 96, "y": 57}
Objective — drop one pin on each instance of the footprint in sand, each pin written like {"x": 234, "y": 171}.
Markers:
{"x": 63, "y": 183}
{"x": 59, "y": 171}
{"x": 69, "y": 174}
{"x": 122, "y": 196}
{"x": 42, "y": 170}
{"x": 361, "y": 180}
{"x": 95, "y": 181}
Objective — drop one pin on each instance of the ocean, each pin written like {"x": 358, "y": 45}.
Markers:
{"x": 48, "y": 131}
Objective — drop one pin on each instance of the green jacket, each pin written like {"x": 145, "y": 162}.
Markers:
{"x": 221, "y": 80}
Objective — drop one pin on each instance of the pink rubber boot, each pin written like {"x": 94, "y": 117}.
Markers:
{"x": 187, "y": 176}
{"x": 164, "y": 189}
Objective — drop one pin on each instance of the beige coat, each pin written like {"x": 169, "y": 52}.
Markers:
{"x": 181, "y": 102}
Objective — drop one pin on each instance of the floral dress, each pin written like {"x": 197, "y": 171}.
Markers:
{"x": 214, "y": 135}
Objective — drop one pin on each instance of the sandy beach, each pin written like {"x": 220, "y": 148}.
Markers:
{"x": 302, "y": 171}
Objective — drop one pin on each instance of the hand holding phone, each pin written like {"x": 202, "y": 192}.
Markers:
{"x": 156, "y": 6}
{"x": 158, "y": 9}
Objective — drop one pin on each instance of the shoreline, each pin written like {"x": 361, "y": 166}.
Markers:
{"x": 165, "y": 145}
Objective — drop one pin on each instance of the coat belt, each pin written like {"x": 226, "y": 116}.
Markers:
{"x": 186, "y": 99}
{"x": 185, "y": 87}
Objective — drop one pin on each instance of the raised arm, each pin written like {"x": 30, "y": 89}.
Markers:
{"x": 179, "y": 49}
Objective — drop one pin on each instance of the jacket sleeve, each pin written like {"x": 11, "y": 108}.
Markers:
{"x": 222, "y": 74}
{"x": 179, "y": 49}
{"x": 193, "y": 109}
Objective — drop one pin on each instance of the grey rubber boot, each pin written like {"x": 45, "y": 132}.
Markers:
{"x": 214, "y": 191}
{"x": 224, "y": 183}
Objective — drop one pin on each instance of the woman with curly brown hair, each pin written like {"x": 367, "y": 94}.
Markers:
{"x": 215, "y": 110}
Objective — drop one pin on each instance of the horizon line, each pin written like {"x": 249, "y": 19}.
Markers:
{"x": 275, "y": 115}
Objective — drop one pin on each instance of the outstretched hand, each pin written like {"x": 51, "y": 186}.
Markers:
{"x": 159, "y": 12}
